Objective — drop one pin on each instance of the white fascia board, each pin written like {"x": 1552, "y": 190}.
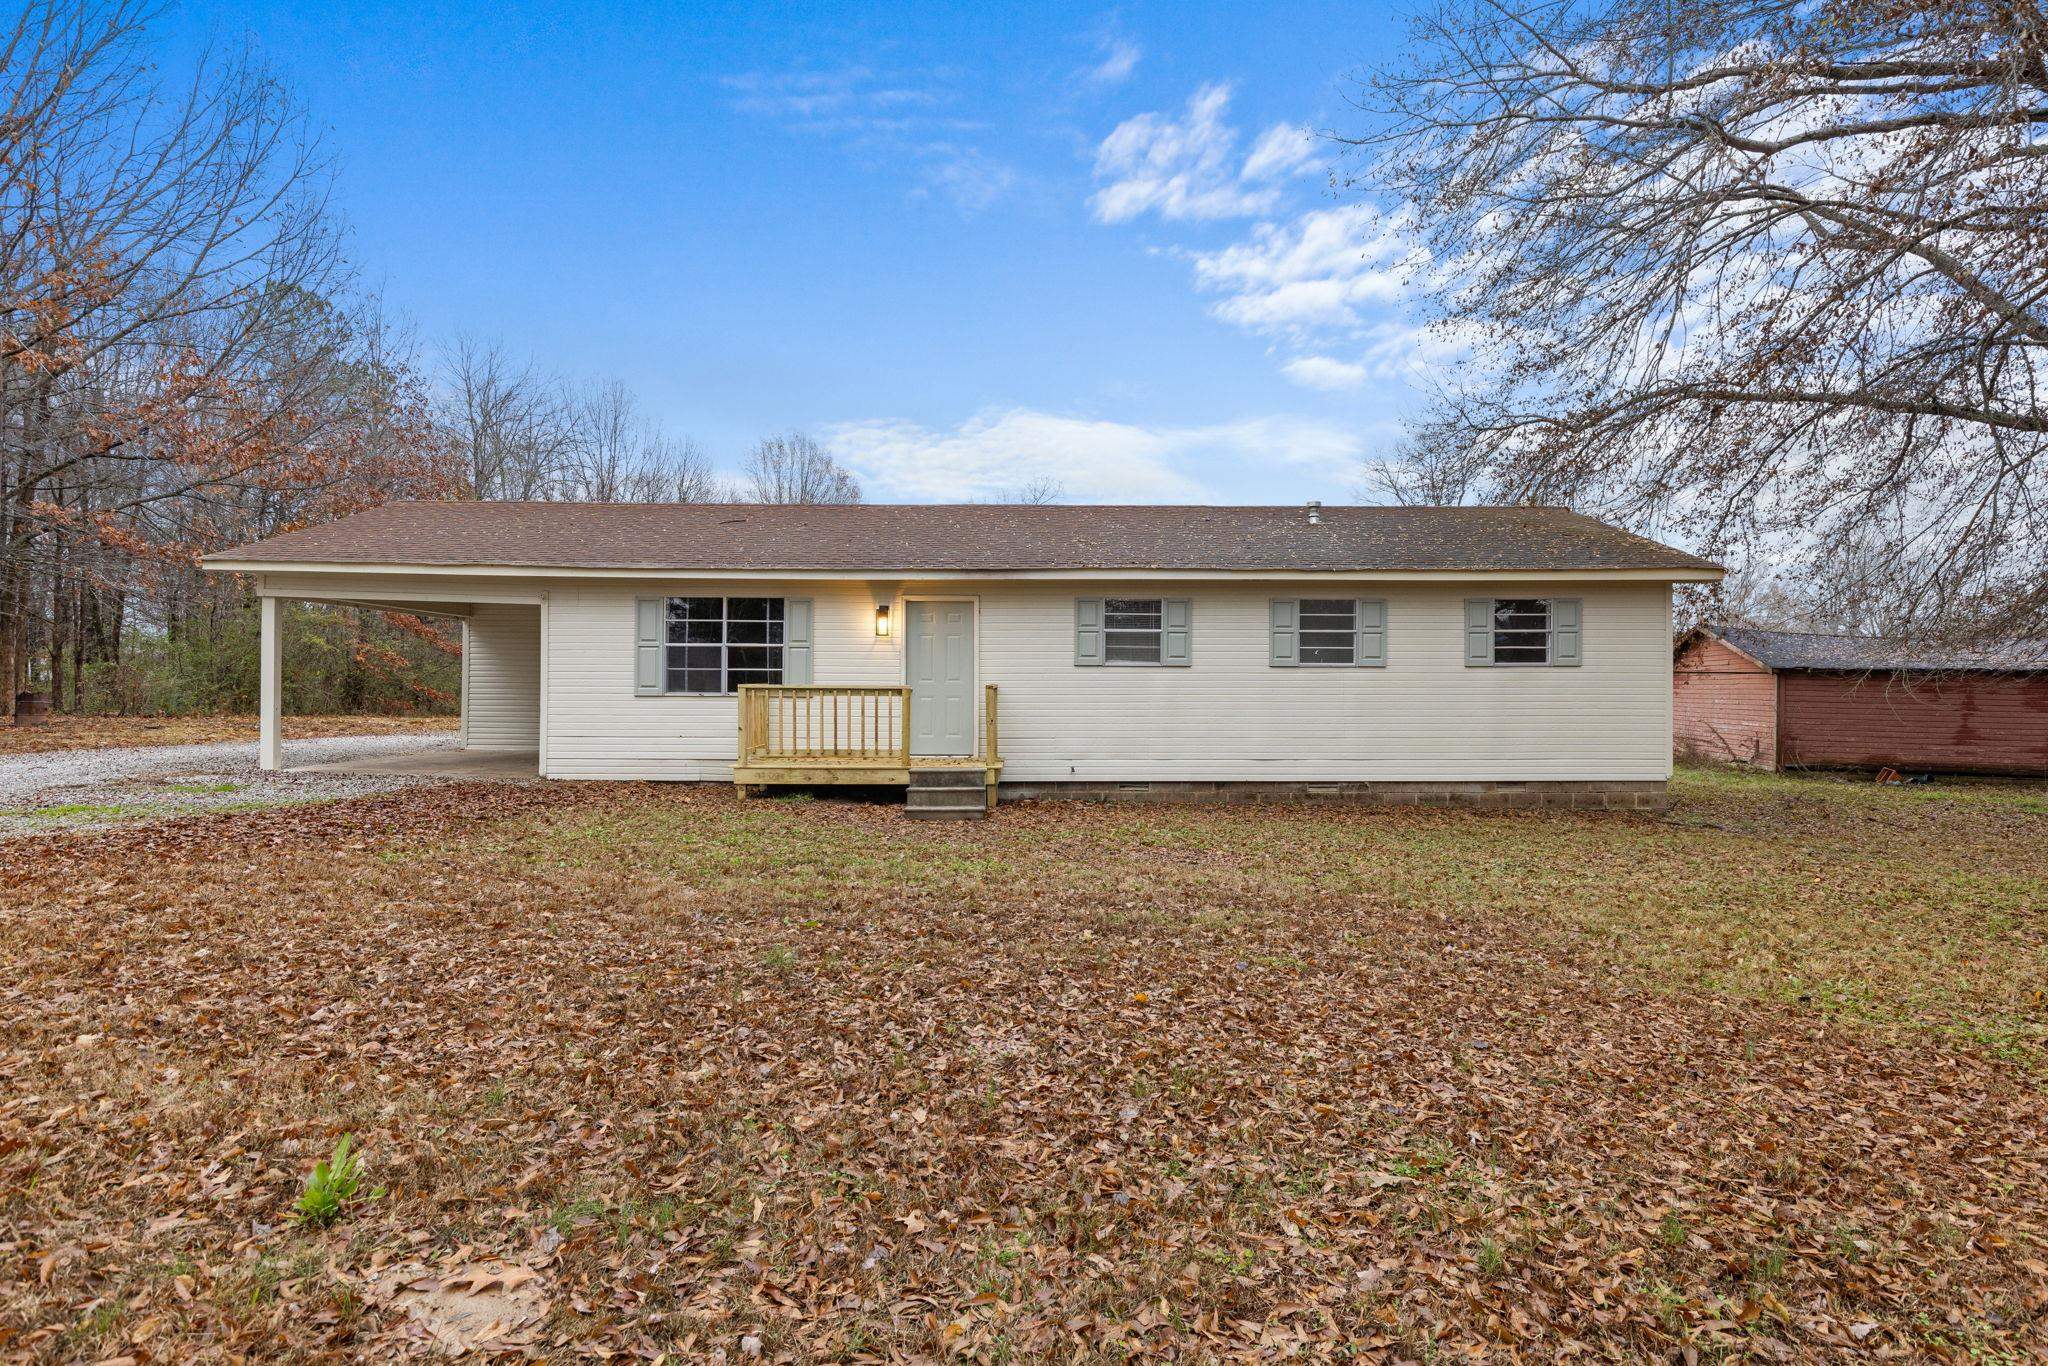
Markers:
{"x": 974, "y": 575}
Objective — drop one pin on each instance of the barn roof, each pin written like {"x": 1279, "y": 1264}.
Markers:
{"x": 978, "y": 538}
{"x": 1862, "y": 654}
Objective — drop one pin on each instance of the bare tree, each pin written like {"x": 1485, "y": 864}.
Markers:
{"x": 1038, "y": 492}
{"x": 623, "y": 456}
{"x": 796, "y": 469}
{"x": 515, "y": 429}
{"x": 1739, "y": 268}
{"x": 1425, "y": 473}
{"x": 675, "y": 471}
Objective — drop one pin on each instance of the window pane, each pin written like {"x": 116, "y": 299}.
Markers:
{"x": 739, "y": 676}
{"x": 696, "y": 632}
{"x": 701, "y": 665}
{"x": 754, "y": 632}
{"x": 695, "y": 609}
{"x": 1131, "y": 647}
{"x": 693, "y": 680}
{"x": 1521, "y": 614}
{"x": 1328, "y": 647}
{"x": 1329, "y": 607}
{"x": 754, "y": 609}
{"x": 1521, "y": 654}
{"x": 1132, "y": 614}
{"x": 754, "y": 657}
{"x": 690, "y": 618}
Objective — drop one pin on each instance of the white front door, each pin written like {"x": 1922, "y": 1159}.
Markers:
{"x": 940, "y": 647}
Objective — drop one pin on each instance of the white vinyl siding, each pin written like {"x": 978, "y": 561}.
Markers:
{"x": 501, "y": 679}
{"x": 597, "y": 728}
{"x": 1228, "y": 716}
{"x": 1422, "y": 717}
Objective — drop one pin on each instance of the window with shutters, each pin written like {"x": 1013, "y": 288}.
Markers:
{"x": 716, "y": 644}
{"x": 1329, "y": 631}
{"x": 1133, "y": 629}
{"x": 1521, "y": 631}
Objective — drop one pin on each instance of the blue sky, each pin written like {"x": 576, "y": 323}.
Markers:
{"x": 965, "y": 248}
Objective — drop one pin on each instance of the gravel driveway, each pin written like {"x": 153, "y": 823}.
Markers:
{"x": 67, "y": 789}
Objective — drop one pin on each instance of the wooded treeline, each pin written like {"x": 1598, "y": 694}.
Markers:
{"x": 187, "y": 362}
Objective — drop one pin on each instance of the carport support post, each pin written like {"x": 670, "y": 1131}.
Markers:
{"x": 270, "y": 690}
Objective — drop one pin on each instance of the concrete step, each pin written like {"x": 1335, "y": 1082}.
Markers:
{"x": 947, "y": 813}
{"x": 946, "y": 796}
{"x": 945, "y": 779}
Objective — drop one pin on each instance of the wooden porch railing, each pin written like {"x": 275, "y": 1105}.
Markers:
{"x": 989, "y": 753}
{"x": 781, "y": 723}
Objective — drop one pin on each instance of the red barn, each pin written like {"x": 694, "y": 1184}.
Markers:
{"x": 1788, "y": 699}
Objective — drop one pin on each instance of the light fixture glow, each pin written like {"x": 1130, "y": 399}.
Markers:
{"x": 882, "y": 619}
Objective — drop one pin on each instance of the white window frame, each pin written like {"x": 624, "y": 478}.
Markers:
{"x": 724, "y": 643}
{"x": 1157, "y": 633}
{"x": 1549, "y": 633}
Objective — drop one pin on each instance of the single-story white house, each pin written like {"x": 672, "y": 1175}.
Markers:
{"x": 1505, "y": 655}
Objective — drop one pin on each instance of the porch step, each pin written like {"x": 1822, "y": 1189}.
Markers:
{"x": 945, "y": 779}
{"x": 976, "y": 812}
{"x": 946, "y": 794}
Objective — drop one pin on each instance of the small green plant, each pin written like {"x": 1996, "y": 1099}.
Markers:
{"x": 332, "y": 1186}
{"x": 780, "y": 958}
{"x": 1672, "y": 1232}
{"x": 1492, "y": 1258}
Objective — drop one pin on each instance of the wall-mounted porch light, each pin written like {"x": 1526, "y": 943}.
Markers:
{"x": 882, "y": 619}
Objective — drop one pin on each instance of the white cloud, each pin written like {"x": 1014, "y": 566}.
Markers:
{"x": 1314, "y": 273}
{"x": 1093, "y": 459}
{"x": 1178, "y": 168}
{"x": 1330, "y": 284}
{"x": 899, "y": 118}
{"x": 969, "y": 177}
{"x": 1119, "y": 60}
{"x": 1283, "y": 150}
{"x": 1326, "y": 373}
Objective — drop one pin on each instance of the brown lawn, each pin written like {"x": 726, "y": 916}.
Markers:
{"x": 804, "y": 1080}
{"x": 116, "y": 732}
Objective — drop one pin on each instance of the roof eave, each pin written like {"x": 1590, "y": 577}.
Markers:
{"x": 225, "y": 564}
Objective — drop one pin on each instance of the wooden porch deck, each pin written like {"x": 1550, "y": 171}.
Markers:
{"x": 824, "y": 735}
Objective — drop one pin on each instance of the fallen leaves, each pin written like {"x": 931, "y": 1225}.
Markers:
{"x": 486, "y": 1306}
{"x": 1073, "y": 1081}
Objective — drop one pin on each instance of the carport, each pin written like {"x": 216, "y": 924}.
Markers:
{"x": 501, "y": 683}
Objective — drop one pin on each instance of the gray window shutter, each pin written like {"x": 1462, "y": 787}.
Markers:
{"x": 1478, "y": 632}
{"x": 1286, "y": 652}
{"x": 650, "y": 638}
{"x": 796, "y": 640}
{"x": 1087, "y": 630}
{"x": 1564, "y": 631}
{"x": 1176, "y": 640}
{"x": 1372, "y": 633}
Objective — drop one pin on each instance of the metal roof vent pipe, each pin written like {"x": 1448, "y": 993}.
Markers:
{"x": 1315, "y": 513}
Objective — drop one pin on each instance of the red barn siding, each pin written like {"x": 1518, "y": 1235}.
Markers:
{"x": 1724, "y": 706}
{"x": 1969, "y": 723}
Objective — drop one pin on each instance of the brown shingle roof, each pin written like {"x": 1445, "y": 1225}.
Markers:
{"x": 974, "y": 537}
{"x": 1860, "y": 654}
